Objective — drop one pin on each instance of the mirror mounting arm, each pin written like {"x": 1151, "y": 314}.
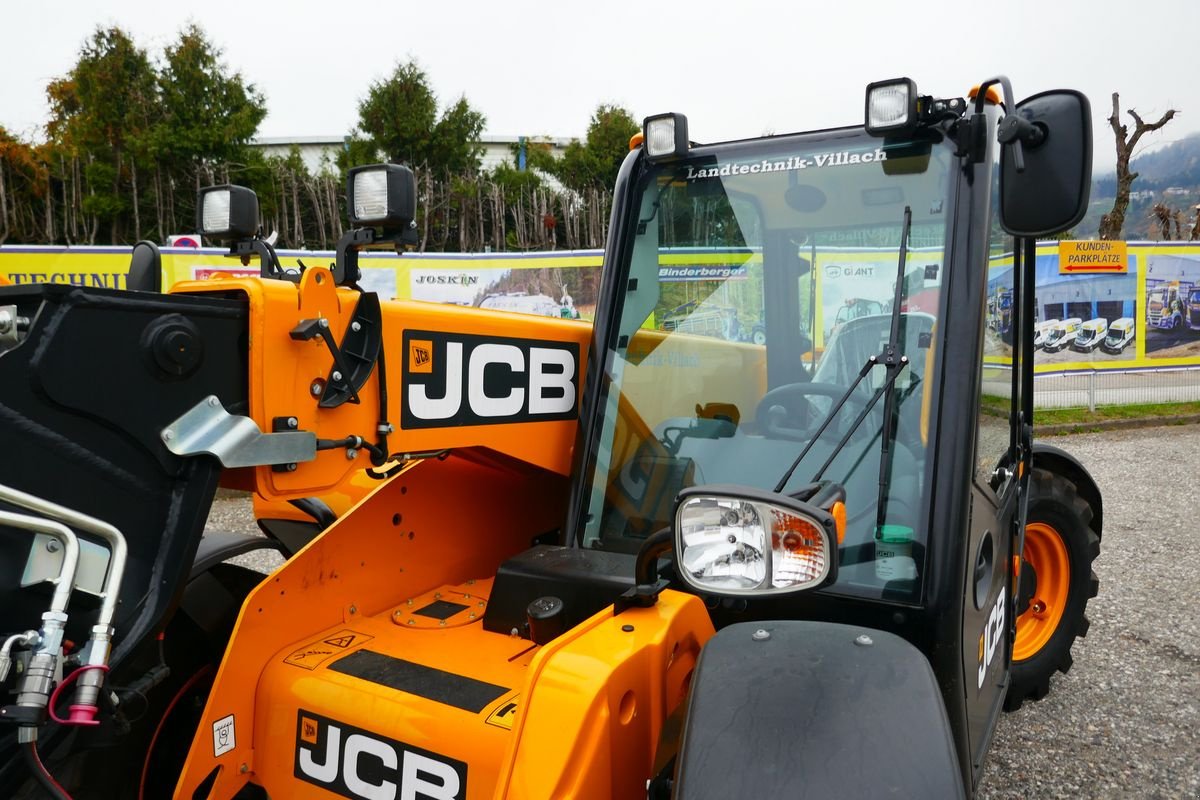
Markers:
{"x": 1016, "y": 131}
{"x": 970, "y": 137}
{"x": 1010, "y": 103}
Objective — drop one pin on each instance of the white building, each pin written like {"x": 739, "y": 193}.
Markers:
{"x": 320, "y": 152}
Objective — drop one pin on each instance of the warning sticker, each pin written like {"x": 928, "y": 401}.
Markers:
{"x": 224, "y": 739}
{"x": 504, "y": 715}
{"x": 312, "y": 655}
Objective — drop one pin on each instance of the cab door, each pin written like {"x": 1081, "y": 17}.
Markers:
{"x": 987, "y": 595}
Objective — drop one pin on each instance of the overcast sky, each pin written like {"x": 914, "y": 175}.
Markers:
{"x": 735, "y": 69}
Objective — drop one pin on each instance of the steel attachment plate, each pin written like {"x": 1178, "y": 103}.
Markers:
{"x": 208, "y": 429}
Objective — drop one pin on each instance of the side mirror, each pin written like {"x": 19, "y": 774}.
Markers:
{"x": 1046, "y": 164}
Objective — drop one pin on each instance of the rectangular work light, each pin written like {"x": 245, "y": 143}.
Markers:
{"x": 227, "y": 212}
{"x": 381, "y": 195}
{"x": 891, "y": 106}
{"x": 666, "y": 136}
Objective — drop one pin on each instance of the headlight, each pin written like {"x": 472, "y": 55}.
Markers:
{"x": 748, "y": 542}
{"x": 891, "y": 106}
{"x": 227, "y": 212}
{"x": 665, "y": 136}
{"x": 383, "y": 195}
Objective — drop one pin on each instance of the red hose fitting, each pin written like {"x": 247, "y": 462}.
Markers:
{"x": 83, "y": 715}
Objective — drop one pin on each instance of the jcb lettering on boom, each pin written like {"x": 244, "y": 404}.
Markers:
{"x": 358, "y": 764}
{"x": 461, "y": 379}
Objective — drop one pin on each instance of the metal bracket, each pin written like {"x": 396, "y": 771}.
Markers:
{"x": 45, "y": 564}
{"x": 208, "y": 429}
{"x": 10, "y": 326}
{"x": 355, "y": 358}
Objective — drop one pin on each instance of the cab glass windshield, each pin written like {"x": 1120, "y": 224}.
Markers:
{"x": 762, "y": 279}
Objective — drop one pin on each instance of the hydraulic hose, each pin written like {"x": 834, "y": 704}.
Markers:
{"x": 40, "y": 773}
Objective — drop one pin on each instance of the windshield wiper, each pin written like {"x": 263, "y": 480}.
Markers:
{"x": 893, "y": 361}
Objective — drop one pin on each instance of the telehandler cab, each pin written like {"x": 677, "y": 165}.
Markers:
{"x": 606, "y": 561}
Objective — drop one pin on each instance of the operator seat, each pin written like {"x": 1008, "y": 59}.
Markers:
{"x": 861, "y": 338}
{"x": 145, "y": 268}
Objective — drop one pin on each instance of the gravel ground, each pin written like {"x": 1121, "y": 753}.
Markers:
{"x": 1125, "y": 721}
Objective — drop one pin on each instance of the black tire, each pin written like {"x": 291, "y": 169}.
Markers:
{"x": 1056, "y": 509}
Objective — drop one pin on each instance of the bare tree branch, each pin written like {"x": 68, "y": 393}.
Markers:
{"x": 1112, "y": 223}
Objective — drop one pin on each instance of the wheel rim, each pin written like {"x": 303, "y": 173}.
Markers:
{"x": 1046, "y": 554}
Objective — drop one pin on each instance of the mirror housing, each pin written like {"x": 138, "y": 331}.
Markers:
{"x": 1046, "y": 164}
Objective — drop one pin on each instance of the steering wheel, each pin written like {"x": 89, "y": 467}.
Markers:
{"x": 785, "y": 412}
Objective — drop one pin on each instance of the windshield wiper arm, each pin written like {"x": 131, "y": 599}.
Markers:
{"x": 894, "y": 362}
{"x": 891, "y": 351}
{"x": 832, "y": 415}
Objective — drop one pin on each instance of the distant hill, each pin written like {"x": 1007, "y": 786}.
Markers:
{"x": 1176, "y": 164}
{"x": 1174, "y": 167}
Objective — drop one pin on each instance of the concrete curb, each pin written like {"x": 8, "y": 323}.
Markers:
{"x": 1065, "y": 428}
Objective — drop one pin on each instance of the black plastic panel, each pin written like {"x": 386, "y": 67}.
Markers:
{"x": 82, "y": 405}
{"x": 807, "y": 712}
{"x": 585, "y": 580}
{"x": 83, "y": 400}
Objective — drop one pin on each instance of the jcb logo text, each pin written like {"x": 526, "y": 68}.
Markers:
{"x": 463, "y": 379}
{"x": 365, "y": 766}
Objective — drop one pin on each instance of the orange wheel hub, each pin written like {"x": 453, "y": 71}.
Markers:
{"x": 1046, "y": 554}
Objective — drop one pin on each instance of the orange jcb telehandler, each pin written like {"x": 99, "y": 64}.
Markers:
{"x": 589, "y": 561}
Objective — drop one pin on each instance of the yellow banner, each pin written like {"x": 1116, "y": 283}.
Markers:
{"x": 1126, "y": 306}
{"x": 550, "y": 283}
